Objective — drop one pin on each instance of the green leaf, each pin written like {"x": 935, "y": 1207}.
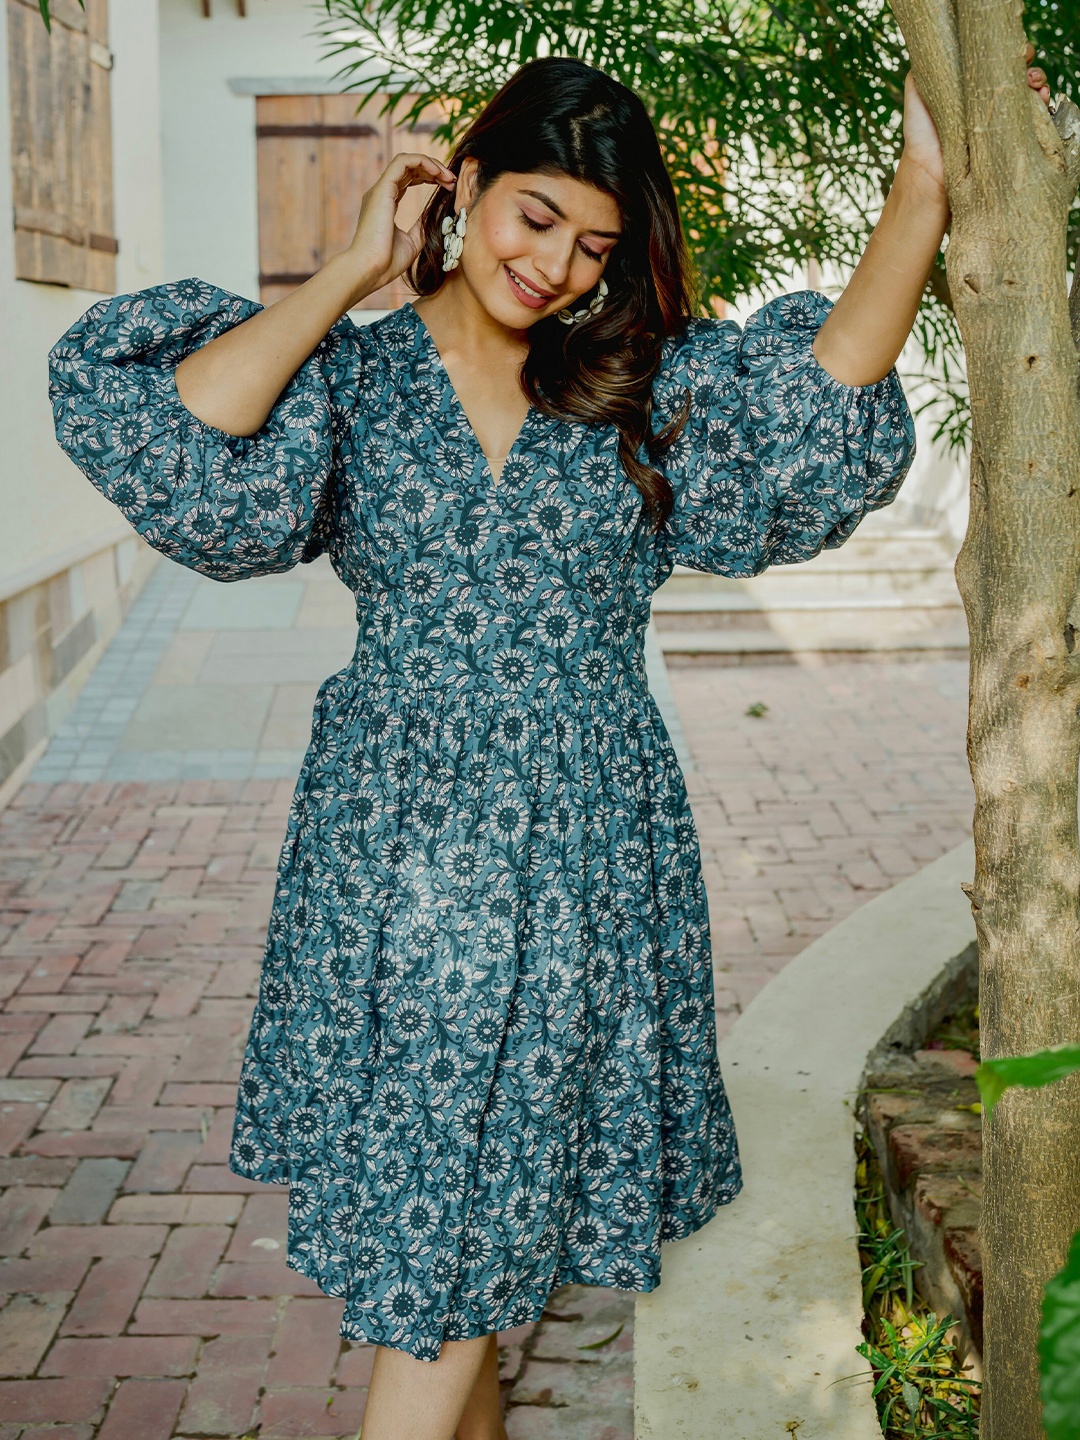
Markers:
{"x": 910, "y": 1393}
{"x": 599, "y": 1344}
{"x": 1059, "y": 1350}
{"x": 1043, "y": 1067}
{"x": 43, "y": 6}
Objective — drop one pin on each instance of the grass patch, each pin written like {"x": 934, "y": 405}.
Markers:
{"x": 920, "y": 1391}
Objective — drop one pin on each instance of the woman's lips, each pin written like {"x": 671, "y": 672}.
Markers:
{"x": 534, "y": 302}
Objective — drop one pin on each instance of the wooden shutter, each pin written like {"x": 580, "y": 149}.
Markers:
{"x": 61, "y": 144}
{"x": 317, "y": 154}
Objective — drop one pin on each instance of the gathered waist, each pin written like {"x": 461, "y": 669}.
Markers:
{"x": 600, "y": 677}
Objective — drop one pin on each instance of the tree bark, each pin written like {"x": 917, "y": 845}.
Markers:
{"x": 1011, "y": 174}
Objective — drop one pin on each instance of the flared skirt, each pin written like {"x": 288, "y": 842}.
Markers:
{"x": 483, "y": 1053}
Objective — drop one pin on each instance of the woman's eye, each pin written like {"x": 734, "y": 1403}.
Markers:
{"x": 537, "y": 225}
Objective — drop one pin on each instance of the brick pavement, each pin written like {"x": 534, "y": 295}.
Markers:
{"x": 146, "y": 1295}
{"x": 854, "y": 777}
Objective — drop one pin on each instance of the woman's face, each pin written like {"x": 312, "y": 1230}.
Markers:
{"x": 534, "y": 243}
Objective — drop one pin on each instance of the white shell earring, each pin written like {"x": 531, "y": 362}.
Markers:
{"x": 453, "y": 239}
{"x": 595, "y": 305}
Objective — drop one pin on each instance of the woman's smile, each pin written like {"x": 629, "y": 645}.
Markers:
{"x": 526, "y": 293}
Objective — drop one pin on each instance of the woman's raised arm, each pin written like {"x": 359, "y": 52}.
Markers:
{"x": 233, "y": 381}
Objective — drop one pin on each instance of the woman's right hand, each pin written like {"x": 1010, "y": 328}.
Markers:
{"x": 380, "y": 250}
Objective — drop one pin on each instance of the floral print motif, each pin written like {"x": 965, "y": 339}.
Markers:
{"x": 483, "y": 1055}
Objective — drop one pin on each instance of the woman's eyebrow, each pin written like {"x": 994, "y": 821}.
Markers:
{"x": 539, "y": 195}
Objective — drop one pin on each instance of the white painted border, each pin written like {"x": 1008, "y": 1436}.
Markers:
{"x": 758, "y": 1313}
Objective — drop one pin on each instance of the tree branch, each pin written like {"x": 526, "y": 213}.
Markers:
{"x": 1066, "y": 119}
{"x": 1000, "y": 107}
{"x": 930, "y": 33}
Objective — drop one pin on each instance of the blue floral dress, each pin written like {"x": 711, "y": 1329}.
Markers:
{"x": 483, "y": 1055}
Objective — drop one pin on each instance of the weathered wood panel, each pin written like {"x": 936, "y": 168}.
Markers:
{"x": 317, "y": 155}
{"x": 61, "y": 145}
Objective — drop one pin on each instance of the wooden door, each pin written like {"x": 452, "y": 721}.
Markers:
{"x": 317, "y": 154}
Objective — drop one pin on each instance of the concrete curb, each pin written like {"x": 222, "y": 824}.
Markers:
{"x": 758, "y": 1314}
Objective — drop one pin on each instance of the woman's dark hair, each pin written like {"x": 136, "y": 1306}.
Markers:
{"x": 558, "y": 116}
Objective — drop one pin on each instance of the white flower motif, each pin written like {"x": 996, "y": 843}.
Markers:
{"x": 349, "y": 1019}
{"x": 402, "y": 1301}
{"x": 513, "y": 668}
{"x": 513, "y": 728}
{"x": 418, "y": 1217}
{"x": 634, "y": 858}
{"x": 494, "y": 1162}
{"x": 422, "y": 581}
{"x": 515, "y": 578}
{"x": 130, "y": 432}
{"x": 557, "y": 625}
{"x": 464, "y": 863}
{"x": 415, "y": 501}
{"x": 368, "y": 1255}
{"x": 494, "y": 941}
{"x": 553, "y": 517}
{"x": 442, "y": 1069}
{"x": 542, "y": 1066}
{"x": 466, "y": 622}
{"x": 486, "y": 1029}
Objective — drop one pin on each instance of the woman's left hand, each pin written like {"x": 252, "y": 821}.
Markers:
{"x": 921, "y": 144}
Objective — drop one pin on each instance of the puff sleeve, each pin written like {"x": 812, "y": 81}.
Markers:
{"x": 778, "y": 459}
{"x": 228, "y": 506}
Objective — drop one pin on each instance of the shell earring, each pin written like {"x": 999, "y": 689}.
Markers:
{"x": 595, "y": 305}
{"x": 453, "y": 239}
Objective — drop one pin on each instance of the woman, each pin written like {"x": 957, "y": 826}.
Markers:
{"x": 483, "y": 1055}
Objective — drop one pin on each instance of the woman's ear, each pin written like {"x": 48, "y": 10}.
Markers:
{"x": 466, "y": 186}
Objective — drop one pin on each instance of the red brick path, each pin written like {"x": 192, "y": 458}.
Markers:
{"x": 854, "y": 778}
{"x": 145, "y": 1276}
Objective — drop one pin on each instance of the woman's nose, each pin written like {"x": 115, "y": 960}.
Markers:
{"x": 553, "y": 264}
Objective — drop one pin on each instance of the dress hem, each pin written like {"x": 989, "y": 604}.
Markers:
{"x": 563, "y": 1276}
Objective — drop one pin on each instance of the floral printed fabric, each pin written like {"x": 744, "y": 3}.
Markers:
{"x": 483, "y": 1055}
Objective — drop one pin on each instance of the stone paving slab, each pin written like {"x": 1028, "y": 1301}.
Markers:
{"x": 191, "y": 686}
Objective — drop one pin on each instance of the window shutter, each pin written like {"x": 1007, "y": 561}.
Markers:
{"x": 101, "y": 245}
{"x": 317, "y": 154}
{"x": 61, "y": 144}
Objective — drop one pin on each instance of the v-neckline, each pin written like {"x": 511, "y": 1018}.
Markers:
{"x": 429, "y": 341}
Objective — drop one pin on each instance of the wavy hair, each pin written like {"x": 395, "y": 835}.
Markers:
{"x": 559, "y": 116}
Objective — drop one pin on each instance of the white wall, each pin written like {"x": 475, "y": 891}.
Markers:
{"x": 211, "y": 204}
{"x": 50, "y": 511}
{"x": 937, "y": 490}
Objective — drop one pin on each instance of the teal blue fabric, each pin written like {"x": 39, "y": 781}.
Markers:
{"x": 483, "y": 1055}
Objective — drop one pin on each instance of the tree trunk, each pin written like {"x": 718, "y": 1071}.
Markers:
{"x": 1011, "y": 174}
